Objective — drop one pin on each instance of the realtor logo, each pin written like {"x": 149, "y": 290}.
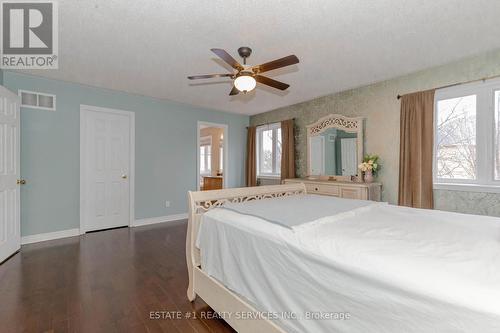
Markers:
{"x": 29, "y": 35}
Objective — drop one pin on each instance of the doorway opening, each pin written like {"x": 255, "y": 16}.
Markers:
{"x": 212, "y": 152}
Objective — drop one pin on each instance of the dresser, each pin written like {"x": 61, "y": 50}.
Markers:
{"x": 212, "y": 183}
{"x": 348, "y": 190}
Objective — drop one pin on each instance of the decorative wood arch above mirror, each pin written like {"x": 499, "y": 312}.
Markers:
{"x": 315, "y": 164}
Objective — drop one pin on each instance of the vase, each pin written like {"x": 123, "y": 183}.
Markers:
{"x": 368, "y": 176}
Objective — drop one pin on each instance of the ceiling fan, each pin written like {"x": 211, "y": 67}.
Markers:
{"x": 246, "y": 77}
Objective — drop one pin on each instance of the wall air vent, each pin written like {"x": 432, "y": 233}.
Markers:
{"x": 35, "y": 100}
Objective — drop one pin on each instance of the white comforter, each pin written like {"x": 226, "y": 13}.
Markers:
{"x": 393, "y": 269}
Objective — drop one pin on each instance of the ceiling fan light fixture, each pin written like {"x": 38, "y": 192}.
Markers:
{"x": 245, "y": 83}
{"x": 245, "y": 78}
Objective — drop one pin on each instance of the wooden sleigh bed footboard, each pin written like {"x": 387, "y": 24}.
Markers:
{"x": 216, "y": 295}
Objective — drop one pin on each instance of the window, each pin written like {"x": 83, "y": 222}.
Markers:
{"x": 221, "y": 158}
{"x": 467, "y": 137}
{"x": 269, "y": 150}
{"x": 206, "y": 156}
{"x": 497, "y": 135}
{"x": 456, "y": 138}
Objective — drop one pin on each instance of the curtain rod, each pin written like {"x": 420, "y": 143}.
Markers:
{"x": 272, "y": 122}
{"x": 460, "y": 83}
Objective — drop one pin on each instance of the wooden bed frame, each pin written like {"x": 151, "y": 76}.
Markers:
{"x": 216, "y": 295}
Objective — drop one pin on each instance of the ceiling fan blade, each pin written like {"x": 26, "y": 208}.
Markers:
{"x": 234, "y": 91}
{"x": 227, "y": 58}
{"x": 208, "y": 76}
{"x": 275, "y": 64}
{"x": 270, "y": 82}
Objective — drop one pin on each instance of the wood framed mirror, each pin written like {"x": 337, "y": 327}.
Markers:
{"x": 334, "y": 146}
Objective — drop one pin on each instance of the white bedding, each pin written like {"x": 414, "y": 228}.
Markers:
{"x": 297, "y": 211}
{"x": 393, "y": 269}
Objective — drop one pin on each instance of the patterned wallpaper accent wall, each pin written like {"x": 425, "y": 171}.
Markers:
{"x": 377, "y": 103}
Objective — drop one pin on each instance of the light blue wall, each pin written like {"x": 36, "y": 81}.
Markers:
{"x": 165, "y": 152}
{"x": 338, "y": 148}
{"x": 330, "y": 166}
{"x": 1, "y": 77}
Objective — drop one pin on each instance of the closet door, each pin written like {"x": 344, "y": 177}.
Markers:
{"x": 105, "y": 169}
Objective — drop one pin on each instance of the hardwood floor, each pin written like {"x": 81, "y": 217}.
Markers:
{"x": 108, "y": 281}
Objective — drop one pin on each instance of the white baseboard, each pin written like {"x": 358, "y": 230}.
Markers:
{"x": 160, "y": 219}
{"x": 76, "y": 232}
{"x": 49, "y": 236}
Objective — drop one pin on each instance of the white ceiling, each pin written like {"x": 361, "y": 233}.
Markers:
{"x": 149, "y": 47}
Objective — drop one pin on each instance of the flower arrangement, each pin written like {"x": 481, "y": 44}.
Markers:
{"x": 370, "y": 163}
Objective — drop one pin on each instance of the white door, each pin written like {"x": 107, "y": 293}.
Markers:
{"x": 348, "y": 155}
{"x": 10, "y": 231}
{"x": 105, "y": 168}
{"x": 317, "y": 155}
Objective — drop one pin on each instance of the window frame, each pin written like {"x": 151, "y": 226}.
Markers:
{"x": 221, "y": 157}
{"x": 485, "y": 137}
{"x": 276, "y": 173}
{"x": 206, "y": 141}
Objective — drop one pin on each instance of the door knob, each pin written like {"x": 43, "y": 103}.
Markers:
{"x": 124, "y": 176}
{"x": 21, "y": 181}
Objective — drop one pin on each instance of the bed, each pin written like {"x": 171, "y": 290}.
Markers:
{"x": 373, "y": 268}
